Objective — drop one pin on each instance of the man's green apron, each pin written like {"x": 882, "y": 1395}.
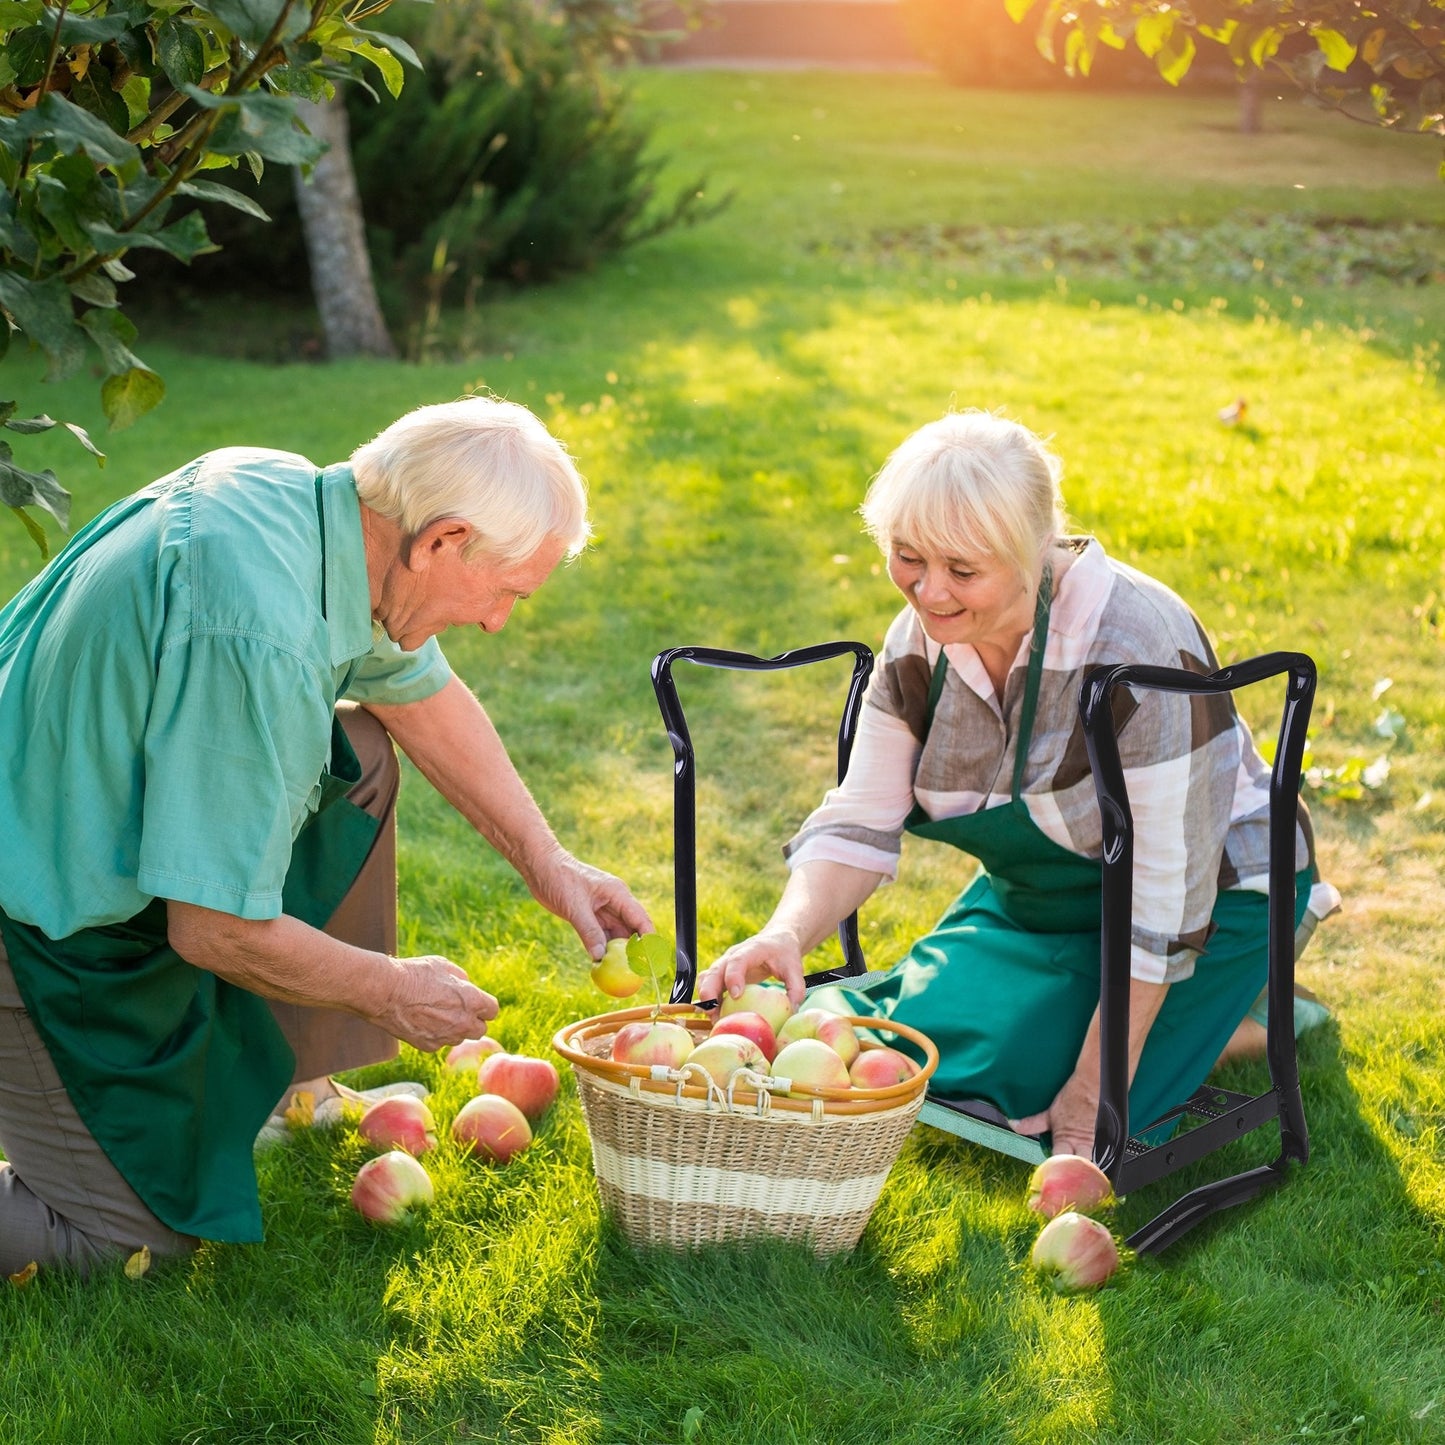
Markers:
{"x": 1008, "y": 981}
{"x": 173, "y": 1069}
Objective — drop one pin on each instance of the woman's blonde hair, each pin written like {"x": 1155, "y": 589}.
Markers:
{"x": 490, "y": 462}
{"x": 970, "y": 484}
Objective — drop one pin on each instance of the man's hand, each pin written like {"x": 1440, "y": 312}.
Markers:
{"x": 597, "y": 904}
{"x": 433, "y": 1003}
{"x": 1070, "y": 1119}
{"x": 773, "y": 953}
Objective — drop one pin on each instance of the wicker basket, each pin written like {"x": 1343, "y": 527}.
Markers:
{"x": 681, "y": 1165}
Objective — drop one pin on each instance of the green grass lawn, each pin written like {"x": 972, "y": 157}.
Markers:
{"x": 728, "y": 391}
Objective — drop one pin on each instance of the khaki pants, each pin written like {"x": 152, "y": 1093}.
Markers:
{"x": 61, "y": 1199}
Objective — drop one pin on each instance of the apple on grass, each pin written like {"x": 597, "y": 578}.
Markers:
{"x": 750, "y": 1026}
{"x": 470, "y": 1052}
{"x": 720, "y": 1056}
{"x": 812, "y": 1063}
{"x": 769, "y": 999}
{"x": 652, "y": 1041}
{"x": 493, "y": 1127}
{"x": 1068, "y": 1181}
{"x": 389, "y": 1187}
{"x": 828, "y": 1028}
{"x": 401, "y": 1122}
{"x": 531, "y": 1084}
{"x": 881, "y": 1069}
{"x": 1075, "y": 1252}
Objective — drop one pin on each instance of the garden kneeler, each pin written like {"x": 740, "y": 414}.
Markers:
{"x": 1129, "y": 1160}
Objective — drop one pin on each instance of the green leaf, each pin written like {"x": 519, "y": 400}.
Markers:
{"x": 252, "y": 21}
{"x": 265, "y": 125}
{"x": 96, "y": 95}
{"x": 29, "y": 425}
{"x": 56, "y": 203}
{"x": 112, "y": 333}
{"x": 91, "y": 30}
{"x": 403, "y": 51}
{"x": 654, "y": 955}
{"x": 226, "y": 195}
{"x": 127, "y": 397}
{"x": 1265, "y": 44}
{"x": 16, "y": 14}
{"x": 1152, "y": 31}
{"x": 1176, "y": 56}
{"x": 392, "y": 75}
{"x": 27, "y": 51}
{"x": 43, "y": 312}
{"x": 21, "y": 488}
{"x": 37, "y": 532}
{"x": 1339, "y": 52}
{"x": 181, "y": 52}
{"x": 185, "y": 240}
{"x": 72, "y": 129}
{"x": 83, "y": 437}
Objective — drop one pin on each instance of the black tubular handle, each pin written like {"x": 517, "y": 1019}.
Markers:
{"x": 1112, "y": 1126}
{"x": 684, "y": 773}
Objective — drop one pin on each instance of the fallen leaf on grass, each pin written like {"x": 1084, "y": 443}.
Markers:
{"x": 138, "y": 1263}
{"x": 301, "y": 1111}
{"x": 24, "y": 1277}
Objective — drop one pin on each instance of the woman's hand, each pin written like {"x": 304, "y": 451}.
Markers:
{"x": 597, "y": 904}
{"x": 1070, "y": 1119}
{"x": 773, "y": 953}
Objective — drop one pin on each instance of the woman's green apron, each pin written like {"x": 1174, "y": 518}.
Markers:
{"x": 173, "y": 1069}
{"x": 1008, "y": 981}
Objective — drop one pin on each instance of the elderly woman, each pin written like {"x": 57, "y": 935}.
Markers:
{"x": 971, "y": 735}
{"x": 196, "y": 905}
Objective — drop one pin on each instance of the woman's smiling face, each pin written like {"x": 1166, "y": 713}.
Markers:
{"x": 978, "y": 600}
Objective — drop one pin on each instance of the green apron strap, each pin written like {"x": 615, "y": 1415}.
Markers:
{"x": 1037, "y": 645}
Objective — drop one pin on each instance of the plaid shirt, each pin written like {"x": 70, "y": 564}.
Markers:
{"x": 1198, "y": 788}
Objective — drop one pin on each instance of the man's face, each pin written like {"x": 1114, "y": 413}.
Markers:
{"x": 441, "y": 589}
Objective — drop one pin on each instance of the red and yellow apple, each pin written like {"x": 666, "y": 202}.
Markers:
{"x": 389, "y": 1187}
{"x": 1075, "y": 1252}
{"x": 812, "y": 1063}
{"x": 650, "y": 1042}
{"x": 828, "y": 1028}
{"x": 493, "y": 1127}
{"x": 401, "y": 1122}
{"x": 880, "y": 1069}
{"x": 1068, "y": 1181}
{"x": 470, "y": 1052}
{"x": 720, "y": 1056}
{"x": 751, "y": 1026}
{"x": 613, "y": 974}
{"x": 531, "y": 1084}
{"x": 769, "y": 999}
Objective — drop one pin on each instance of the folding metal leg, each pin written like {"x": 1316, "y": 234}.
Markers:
{"x": 1128, "y": 1161}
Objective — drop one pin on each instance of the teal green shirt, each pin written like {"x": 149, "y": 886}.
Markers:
{"x": 166, "y": 691}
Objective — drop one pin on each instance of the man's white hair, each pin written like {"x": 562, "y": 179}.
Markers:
{"x": 489, "y": 462}
{"x": 968, "y": 485}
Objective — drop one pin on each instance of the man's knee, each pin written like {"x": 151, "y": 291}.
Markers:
{"x": 380, "y": 773}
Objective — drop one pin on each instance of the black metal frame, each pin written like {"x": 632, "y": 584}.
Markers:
{"x": 684, "y": 785}
{"x": 1130, "y": 1162}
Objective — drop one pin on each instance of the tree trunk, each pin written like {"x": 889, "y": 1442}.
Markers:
{"x": 331, "y": 220}
{"x": 1251, "y": 97}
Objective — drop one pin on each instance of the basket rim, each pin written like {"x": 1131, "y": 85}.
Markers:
{"x": 832, "y": 1101}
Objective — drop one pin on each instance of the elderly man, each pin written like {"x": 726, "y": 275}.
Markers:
{"x": 197, "y": 899}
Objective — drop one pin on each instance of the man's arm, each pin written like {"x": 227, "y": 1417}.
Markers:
{"x": 452, "y": 741}
{"x": 429, "y": 1002}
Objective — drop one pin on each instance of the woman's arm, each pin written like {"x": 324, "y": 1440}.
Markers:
{"x": 818, "y": 896}
{"x": 1073, "y": 1114}
{"x": 452, "y": 741}
{"x": 429, "y": 1002}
